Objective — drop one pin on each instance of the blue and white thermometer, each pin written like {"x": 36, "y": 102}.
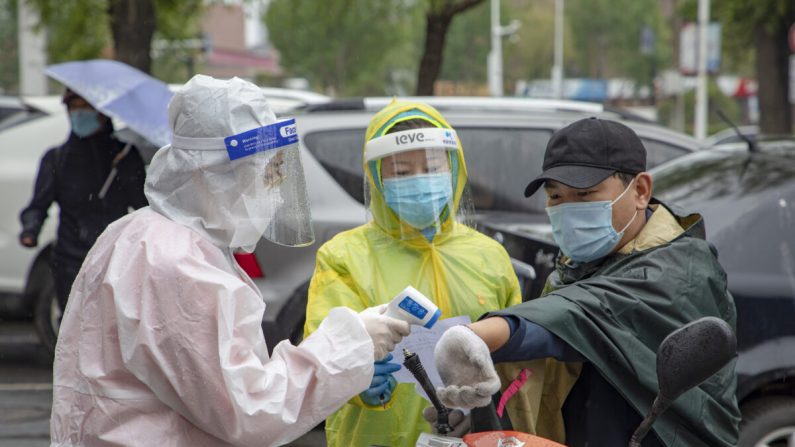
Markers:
{"x": 413, "y": 307}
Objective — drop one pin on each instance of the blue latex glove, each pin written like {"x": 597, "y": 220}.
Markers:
{"x": 383, "y": 383}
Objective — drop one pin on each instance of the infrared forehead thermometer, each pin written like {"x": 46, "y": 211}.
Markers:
{"x": 413, "y": 307}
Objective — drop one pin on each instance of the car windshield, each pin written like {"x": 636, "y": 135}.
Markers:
{"x": 747, "y": 201}
{"x": 725, "y": 174}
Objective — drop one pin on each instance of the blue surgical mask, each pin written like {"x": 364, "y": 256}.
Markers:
{"x": 419, "y": 199}
{"x": 584, "y": 230}
{"x": 85, "y": 122}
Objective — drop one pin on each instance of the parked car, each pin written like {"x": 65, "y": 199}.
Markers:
{"x": 748, "y": 202}
{"x": 10, "y": 106}
{"x": 26, "y": 287}
{"x": 15, "y": 110}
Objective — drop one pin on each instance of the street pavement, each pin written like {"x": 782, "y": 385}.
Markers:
{"x": 25, "y": 387}
{"x": 26, "y": 391}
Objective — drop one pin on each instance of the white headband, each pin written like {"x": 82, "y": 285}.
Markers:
{"x": 407, "y": 140}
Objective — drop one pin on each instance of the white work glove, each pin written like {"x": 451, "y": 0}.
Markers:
{"x": 464, "y": 364}
{"x": 385, "y": 331}
{"x": 460, "y": 422}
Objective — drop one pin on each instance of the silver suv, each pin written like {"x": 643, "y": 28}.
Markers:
{"x": 503, "y": 140}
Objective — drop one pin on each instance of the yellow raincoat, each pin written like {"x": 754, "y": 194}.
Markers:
{"x": 461, "y": 270}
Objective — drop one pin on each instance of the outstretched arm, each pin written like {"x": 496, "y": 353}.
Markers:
{"x": 512, "y": 339}
{"x": 34, "y": 215}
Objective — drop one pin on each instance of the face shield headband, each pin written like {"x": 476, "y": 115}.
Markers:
{"x": 432, "y": 138}
{"x": 408, "y": 140}
{"x": 273, "y": 136}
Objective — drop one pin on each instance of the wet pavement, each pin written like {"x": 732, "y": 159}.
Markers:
{"x": 26, "y": 391}
{"x": 25, "y": 388}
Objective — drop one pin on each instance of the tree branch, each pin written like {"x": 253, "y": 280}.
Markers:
{"x": 460, "y": 7}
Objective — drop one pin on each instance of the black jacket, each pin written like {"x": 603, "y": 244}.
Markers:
{"x": 72, "y": 175}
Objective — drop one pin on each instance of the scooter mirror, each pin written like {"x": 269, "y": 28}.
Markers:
{"x": 693, "y": 353}
{"x": 685, "y": 358}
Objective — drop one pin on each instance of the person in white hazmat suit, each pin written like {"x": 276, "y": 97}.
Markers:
{"x": 160, "y": 342}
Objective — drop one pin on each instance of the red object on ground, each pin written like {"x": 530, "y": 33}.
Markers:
{"x": 507, "y": 439}
{"x": 248, "y": 262}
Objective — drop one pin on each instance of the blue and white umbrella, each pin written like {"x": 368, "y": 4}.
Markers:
{"x": 124, "y": 93}
{"x": 121, "y": 92}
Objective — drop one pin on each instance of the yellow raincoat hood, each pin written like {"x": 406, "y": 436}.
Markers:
{"x": 384, "y": 217}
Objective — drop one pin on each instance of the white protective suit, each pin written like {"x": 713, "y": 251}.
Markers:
{"x": 161, "y": 344}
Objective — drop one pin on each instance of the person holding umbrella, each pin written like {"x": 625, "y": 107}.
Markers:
{"x": 72, "y": 175}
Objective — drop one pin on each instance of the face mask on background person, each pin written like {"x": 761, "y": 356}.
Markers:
{"x": 85, "y": 122}
{"x": 584, "y": 230}
{"x": 419, "y": 199}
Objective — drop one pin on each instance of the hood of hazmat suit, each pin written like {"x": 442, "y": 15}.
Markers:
{"x": 459, "y": 269}
{"x": 161, "y": 338}
{"x": 232, "y": 173}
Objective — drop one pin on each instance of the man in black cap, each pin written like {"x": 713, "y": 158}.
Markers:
{"x": 629, "y": 272}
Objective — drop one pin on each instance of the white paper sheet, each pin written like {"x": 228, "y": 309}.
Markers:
{"x": 421, "y": 342}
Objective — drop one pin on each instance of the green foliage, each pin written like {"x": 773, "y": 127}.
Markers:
{"x": 178, "y": 19}
{"x": 530, "y": 53}
{"x": 73, "y": 31}
{"x": 467, "y": 46}
{"x": 601, "y": 39}
{"x": 743, "y": 16}
{"x": 9, "y": 57}
{"x": 739, "y": 19}
{"x": 79, "y": 29}
{"x": 526, "y": 55}
{"x": 717, "y": 101}
{"x": 348, "y": 47}
{"x": 606, "y": 38}
{"x": 174, "y": 67}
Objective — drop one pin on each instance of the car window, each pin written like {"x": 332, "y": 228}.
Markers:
{"x": 340, "y": 152}
{"x": 658, "y": 152}
{"x": 501, "y": 162}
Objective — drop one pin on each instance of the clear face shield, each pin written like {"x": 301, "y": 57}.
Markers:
{"x": 415, "y": 174}
{"x": 271, "y": 199}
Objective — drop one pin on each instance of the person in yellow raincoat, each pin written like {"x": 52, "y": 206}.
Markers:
{"x": 416, "y": 175}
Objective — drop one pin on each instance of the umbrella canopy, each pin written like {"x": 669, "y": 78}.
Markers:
{"x": 122, "y": 92}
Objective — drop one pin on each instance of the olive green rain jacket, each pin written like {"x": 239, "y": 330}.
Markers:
{"x": 461, "y": 270}
{"x": 617, "y": 312}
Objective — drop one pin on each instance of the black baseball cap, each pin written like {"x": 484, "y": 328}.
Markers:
{"x": 588, "y": 151}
